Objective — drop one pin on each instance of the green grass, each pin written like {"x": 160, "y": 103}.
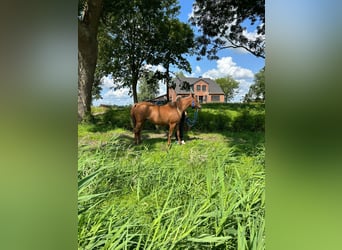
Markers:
{"x": 206, "y": 194}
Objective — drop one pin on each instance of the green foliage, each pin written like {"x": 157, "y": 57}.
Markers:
{"x": 209, "y": 193}
{"x": 257, "y": 90}
{"x": 175, "y": 39}
{"x": 222, "y": 24}
{"x": 148, "y": 87}
{"x": 143, "y": 32}
{"x": 228, "y": 86}
{"x": 231, "y": 117}
{"x": 115, "y": 117}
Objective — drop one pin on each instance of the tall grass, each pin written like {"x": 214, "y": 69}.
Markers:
{"x": 207, "y": 194}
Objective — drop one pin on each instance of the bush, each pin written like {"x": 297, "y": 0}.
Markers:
{"x": 232, "y": 117}
{"x": 247, "y": 121}
{"x": 212, "y": 117}
{"x": 117, "y": 118}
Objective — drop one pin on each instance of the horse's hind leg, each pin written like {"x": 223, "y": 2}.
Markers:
{"x": 137, "y": 133}
{"x": 136, "y": 136}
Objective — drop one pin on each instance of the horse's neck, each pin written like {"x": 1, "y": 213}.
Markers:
{"x": 185, "y": 103}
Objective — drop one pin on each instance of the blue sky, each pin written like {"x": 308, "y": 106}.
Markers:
{"x": 235, "y": 62}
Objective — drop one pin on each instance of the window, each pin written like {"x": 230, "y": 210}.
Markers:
{"x": 204, "y": 88}
{"x": 198, "y": 87}
{"x": 215, "y": 98}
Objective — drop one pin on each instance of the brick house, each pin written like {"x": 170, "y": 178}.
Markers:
{"x": 206, "y": 89}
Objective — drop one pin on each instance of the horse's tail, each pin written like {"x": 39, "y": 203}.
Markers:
{"x": 133, "y": 116}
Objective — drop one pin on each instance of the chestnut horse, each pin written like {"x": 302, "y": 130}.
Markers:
{"x": 168, "y": 114}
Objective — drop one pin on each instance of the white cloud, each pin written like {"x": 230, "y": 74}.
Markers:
{"x": 198, "y": 69}
{"x": 159, "y": 68}
{"x": 242, "y": 90}
{"x": 253, "y": 35}
{"x": 107, "y": 82}
{"x": 119, "y": 93}
{"x": 162, "y": 88}
{"x": 226, "y": 66}
{"x": 155, "y": 68}
{"x": 111, "y": 96}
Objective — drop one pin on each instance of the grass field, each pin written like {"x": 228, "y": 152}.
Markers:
{"x": 206, "y": 194}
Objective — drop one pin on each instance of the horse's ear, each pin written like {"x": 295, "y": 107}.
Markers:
{"x": 178, "y": 100}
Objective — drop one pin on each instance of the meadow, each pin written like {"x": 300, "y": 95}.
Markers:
{"x": 206, "y": 194}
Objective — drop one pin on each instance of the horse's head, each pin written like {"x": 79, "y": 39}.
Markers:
{"x": 194, "y": 102}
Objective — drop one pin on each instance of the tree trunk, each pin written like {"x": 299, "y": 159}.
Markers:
{"x": 134, "y": 90}
{"x": 134, "y": 81}
{"x": 167, "y": 92}
{"x": 87, "y": 55}
{"x": 167, "y": 82}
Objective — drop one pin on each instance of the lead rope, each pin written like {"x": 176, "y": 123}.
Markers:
{"x": 190, "y": 122}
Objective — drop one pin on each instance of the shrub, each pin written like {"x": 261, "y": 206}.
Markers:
{"x": 212, "y": 117}
{"x": 247, "y": 121}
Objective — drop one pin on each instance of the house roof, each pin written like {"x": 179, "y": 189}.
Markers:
{"x": 213, "y": 87}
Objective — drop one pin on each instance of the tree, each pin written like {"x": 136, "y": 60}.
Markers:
{"x": 145, "y": 33}
{"x": 91, "y": 13}
{"x": 222, "y": 23}
{"x": 88, "y": 23}
{"x": 148, "y": 87}
{"x": 228, "y": 86}
{"x": 257, "y": 90}
{"x": 176, "y": 39}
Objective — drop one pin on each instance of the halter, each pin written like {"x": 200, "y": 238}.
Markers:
{"x": 193, "y": 103}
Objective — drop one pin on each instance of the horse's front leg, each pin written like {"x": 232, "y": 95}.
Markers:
{"x": 171, "y": 128}
{"x": 178, "y": 133}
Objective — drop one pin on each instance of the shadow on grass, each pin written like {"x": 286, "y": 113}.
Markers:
{"x": 249, "y": 143}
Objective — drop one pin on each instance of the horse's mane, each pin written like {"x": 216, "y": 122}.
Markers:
{"x": 172, "y": 104}
{"x": 178, "y": 98}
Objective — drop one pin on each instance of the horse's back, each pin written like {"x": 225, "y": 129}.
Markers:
{"x": 141, "y": 110}
{"x": 160, "y": 115}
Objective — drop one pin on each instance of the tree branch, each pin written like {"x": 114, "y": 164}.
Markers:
{"x": 235, "y": 46}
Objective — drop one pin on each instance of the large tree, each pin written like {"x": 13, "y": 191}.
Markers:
{"x": 228, "y": 86}
{"x": 175, "y": 40}
{"x": 88, "y": 22}
{"x": 223, "y": 25}
{"x": 91, "y": 14}
{"x": 145, "y": 33}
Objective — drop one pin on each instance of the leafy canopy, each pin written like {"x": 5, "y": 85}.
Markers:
{"x": 145, "y": 32}
{"x": 223, "y": 25}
